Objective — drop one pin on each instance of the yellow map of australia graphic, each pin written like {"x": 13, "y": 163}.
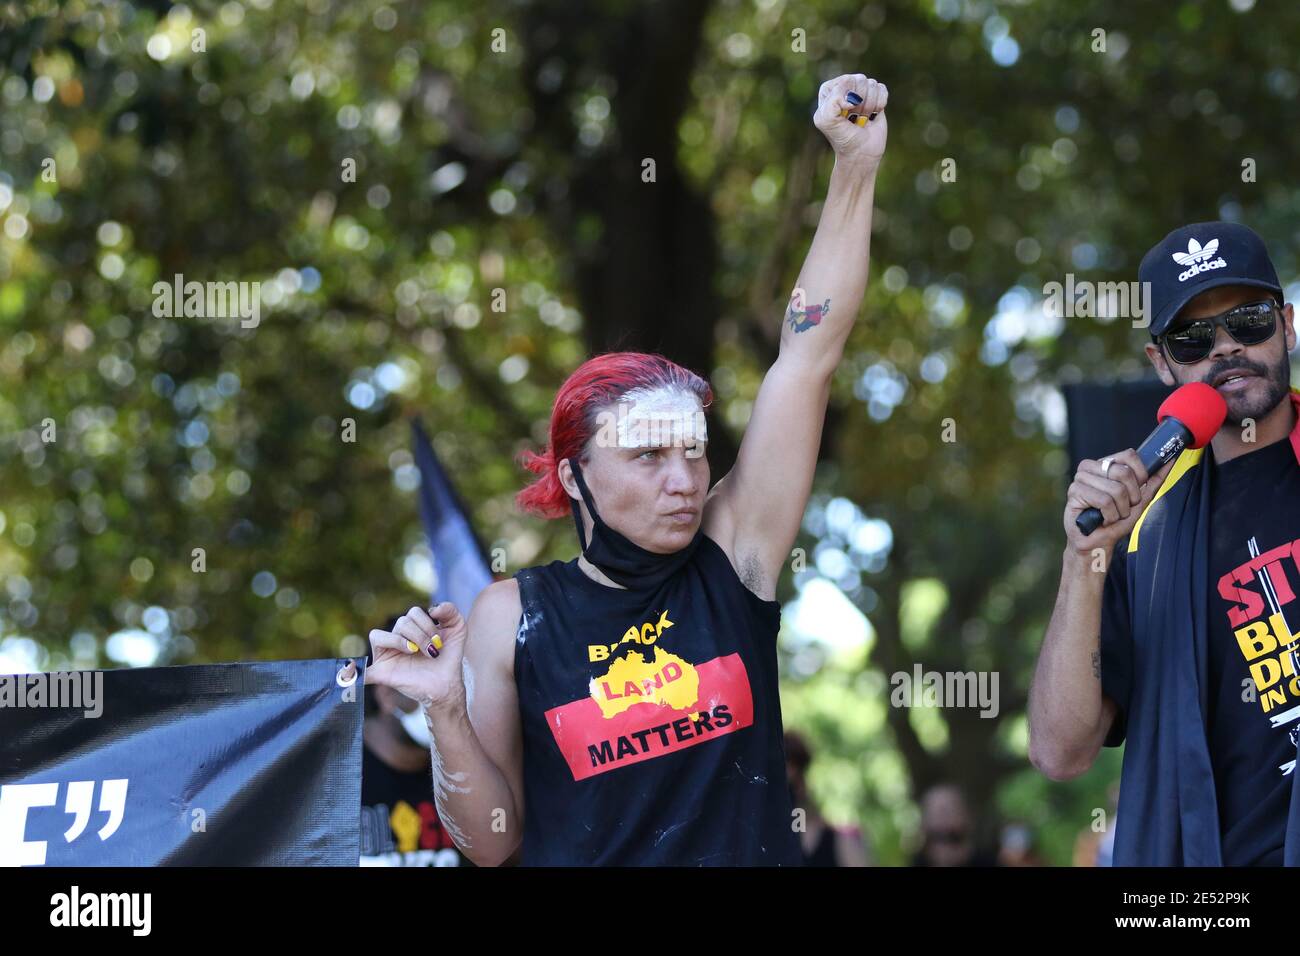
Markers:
{"x": 665, "y": 679}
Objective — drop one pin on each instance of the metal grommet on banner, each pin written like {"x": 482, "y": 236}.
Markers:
{"x": 345, "y": 681}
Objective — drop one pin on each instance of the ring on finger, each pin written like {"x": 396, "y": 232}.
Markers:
{"x": 1105, "y": 466}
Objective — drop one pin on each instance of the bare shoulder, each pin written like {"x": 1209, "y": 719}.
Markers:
{"x": 719, "y": 524}
{"x": 498, "y": 597}
{"x": 494, "y": 621}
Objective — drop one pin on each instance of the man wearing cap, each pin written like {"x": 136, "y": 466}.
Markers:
{"x": 1173, "y": 621}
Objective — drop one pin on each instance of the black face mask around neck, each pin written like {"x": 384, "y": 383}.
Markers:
{"x": 623, "y": 561}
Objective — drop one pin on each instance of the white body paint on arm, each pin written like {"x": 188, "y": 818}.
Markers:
{"x": 444, "y": 783}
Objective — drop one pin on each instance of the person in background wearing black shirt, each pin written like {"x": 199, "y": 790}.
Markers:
{"x": 399, "y": 823}
{"x": 947, "y": 830}
{"x": 823, "y": 844}
{"x": 1197, "y": 672}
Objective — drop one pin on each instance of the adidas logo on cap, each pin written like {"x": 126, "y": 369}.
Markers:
{"x": 1196, "y": 258}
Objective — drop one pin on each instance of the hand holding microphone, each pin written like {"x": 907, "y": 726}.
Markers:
{"x": 1117, "y": 494}
{"x": 1107, "y": 497}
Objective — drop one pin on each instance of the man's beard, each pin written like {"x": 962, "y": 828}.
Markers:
{"x": 1277, "y": 380}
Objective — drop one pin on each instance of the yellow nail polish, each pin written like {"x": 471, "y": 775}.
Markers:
{"x": 855, "y": 118}
{"x": 412, "y": 647}
{"x": 437, "y": 642}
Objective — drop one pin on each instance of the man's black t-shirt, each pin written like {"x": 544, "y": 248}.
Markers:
{"x": 1117, "y": 642}
{"x": 1253, "y": 687}
{"x": 399, "y": 823}
{"x": 1254, "y": 700}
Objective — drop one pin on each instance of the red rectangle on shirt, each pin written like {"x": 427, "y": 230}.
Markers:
{"x": 594, "y": 743}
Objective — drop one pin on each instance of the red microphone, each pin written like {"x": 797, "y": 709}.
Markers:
{"x": 1189, "y": 417}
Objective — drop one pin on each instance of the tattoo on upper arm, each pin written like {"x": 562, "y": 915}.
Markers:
{"x": 1096, "y": 664}
{"x": 802, "y": 319}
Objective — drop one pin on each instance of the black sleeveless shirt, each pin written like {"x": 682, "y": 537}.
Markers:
{"x": 651, "y": 720}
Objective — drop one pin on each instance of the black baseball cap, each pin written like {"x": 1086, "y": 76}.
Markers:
{"x": 1201, "y": 256}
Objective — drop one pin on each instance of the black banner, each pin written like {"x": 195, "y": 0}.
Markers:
{"x": 1106, "y": 418}
{"x": 220, "y": 764}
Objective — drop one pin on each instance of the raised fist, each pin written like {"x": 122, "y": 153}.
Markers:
{"x": 853, "y": 93}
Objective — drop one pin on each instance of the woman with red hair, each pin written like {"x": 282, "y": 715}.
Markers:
{"x": 622, "y": 708}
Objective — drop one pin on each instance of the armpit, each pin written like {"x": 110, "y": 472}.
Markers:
{"x": 750, "y": 572}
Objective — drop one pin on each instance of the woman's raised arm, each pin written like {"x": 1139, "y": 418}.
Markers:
{"x": 755, "y": 510}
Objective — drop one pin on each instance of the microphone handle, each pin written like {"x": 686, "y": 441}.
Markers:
{"x": 1164, "y": 444}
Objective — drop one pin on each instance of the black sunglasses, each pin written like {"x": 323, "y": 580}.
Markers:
{"x": 1249, "y": 324}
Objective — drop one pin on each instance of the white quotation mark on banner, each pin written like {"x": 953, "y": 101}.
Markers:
{"x": 17, "y": 798}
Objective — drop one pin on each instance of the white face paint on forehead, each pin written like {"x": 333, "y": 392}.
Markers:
{"x": 653, "y": 417}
